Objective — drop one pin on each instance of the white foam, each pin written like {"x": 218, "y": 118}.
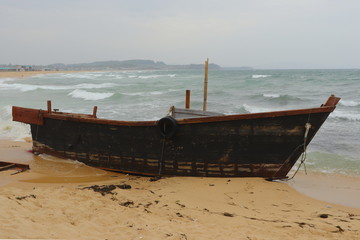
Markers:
{"x": 31, "y": 87}
{"x": 349, "y": 103}
{"x": 88, "y": 75}
{"x": 157, "y": 76}
{"x": 10, "y": 129}
{"x": 260, "y": 76}
{"x": 77, "y": 93}
{"x": 149, "y": 93}
{"x": 255, "y": 109}
{"x": 94, "y": 86}
{"x": 350, "y": 116}
{"x": 149, "y": 76}
{"x": 270, "y": 95}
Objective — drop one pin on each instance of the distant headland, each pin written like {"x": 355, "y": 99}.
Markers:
{"x": 136, "y": 64}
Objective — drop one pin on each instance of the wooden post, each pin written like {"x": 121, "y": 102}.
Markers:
{"x": 205, "y": 83}
{"x": 187, "y": 100}
{"x": 49, "y": 106}
{"x": 94, "y": 111}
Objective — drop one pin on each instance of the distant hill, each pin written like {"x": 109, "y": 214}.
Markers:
{"x": 124, "y": 65}
{"x": 135, "y": 64}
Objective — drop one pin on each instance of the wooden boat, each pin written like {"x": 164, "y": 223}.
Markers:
{"x": 184, "y": 143}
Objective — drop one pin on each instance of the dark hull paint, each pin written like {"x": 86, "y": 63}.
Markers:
{"x": 243, "y": 145}
{"x": 265, "y": 147}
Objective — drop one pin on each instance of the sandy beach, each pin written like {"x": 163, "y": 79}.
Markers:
{"x": 62, "y": 199}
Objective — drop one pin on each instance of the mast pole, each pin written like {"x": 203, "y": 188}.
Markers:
{"x": 205, "y": 83}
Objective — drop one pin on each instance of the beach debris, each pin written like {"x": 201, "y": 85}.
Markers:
{"x": 183, "y": 236}
{"x": 324, "y": 215}
{"x": 211, "y": 184}
{"x": 10, "y": 165}
{"x": 226, "y": 214}
{"x": 228, "y": 196}
{"x": 340, "y": 230}
{"x": 127, "y": 203}
{"x": 6, "y": 167}
{"x": 107, "y": 189}
{"x": 25, "y": 197}
{"x": 179, "y": 214}
{"x": 155, "y": 178}
{"x": 302, "y": 224}
{"x": 181, "y": 205}
{"x": 20, "y": 171}
{"x": 124, "y": 186}
{"x": 147, "y": 205}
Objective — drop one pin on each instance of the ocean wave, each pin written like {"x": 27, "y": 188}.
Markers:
{"x": 144, "y": 94}
{"x": 32, "y": 87}
{"x": 346, "y": 116}
{"x": 156, "y": 76}
{"x": 260, "y": 76}
{"x": 2, "y": 80}
{"x": 9, "y": 129}
{"x": 349, "y": 103}
{"x": 255, "y": 109}
{"x": 94, "y": 86}
{"x": 77, "y": 93}
{"x": 85, "y": 75}
{"x": 271, "y": 95}
{"x": 279, "y": 98}
{"x": 332, "y": 163}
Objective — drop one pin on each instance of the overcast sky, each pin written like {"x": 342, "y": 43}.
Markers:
{"x": 257, "y": 33}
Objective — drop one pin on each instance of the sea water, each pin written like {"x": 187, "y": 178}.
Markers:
{"x": 148, "y": 95}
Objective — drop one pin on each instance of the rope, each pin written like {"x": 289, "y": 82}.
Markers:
{"x": 303, "y": 156}
{"x": 161, "y": 156}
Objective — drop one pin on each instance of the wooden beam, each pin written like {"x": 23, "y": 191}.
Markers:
{"x": 49, "y": 106}
{"x": 187, "y": 100}
{"x": 94, "y": 111}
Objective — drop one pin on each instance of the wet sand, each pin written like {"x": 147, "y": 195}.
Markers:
{"x": 54, "y": 199}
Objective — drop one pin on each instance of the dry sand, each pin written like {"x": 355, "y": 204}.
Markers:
{"x": 52, "y": 200}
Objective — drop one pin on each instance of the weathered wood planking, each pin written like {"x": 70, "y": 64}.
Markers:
{"x": 244, "y": 145}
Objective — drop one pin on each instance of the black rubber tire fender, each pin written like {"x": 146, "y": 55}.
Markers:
{"x": 167, "y": 126}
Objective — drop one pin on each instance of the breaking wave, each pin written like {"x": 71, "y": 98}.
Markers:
{"x": 77, "y": 93}
{"x": 269, "y": 95}
{"x": 156, "y": 76}
{"x": 346, "y": 116}
{"x": 255, "y": 109}
{"x": 32, "y": 87}
{"x": 10, "y": 129}
{"x": 260, "y": 76}
{"x": 349, "y": 103}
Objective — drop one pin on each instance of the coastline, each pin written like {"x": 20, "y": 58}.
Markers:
{"x": 333, "y": 188}
{"x": 27, "y": 74}
{"x": 49, "y": 201}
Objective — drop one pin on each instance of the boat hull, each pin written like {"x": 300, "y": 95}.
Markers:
{"x": 245, "y": 145}
{"x": 265, "y": 147}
